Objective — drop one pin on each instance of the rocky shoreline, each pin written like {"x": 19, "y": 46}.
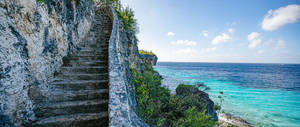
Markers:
{"x": 226, "y": 119}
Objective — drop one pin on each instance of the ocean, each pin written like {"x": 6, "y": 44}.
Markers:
{"x": 262, "y": 94}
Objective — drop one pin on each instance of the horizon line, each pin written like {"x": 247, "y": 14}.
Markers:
{"x": 225, "y": 62}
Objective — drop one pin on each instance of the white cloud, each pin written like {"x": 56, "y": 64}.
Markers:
{"x": 254, "y": 43}
{"x": 254, "y": 39}
{"x": 170, "y": 34}
{"x": 231, "y": 30}
{"x": 253, "y": 36}
{"x": 277, "y": 18}
{"x": 209, "y": 49}
{"x": 204, "y": 33}
{"x": 280, "y": 44}
{"x": 184, "y": 42}
{"x": 221, "y": 38}
{"x": 260, "y": 52}
{"x": 186, "y": 51}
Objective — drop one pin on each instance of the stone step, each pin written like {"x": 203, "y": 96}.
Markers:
{"x": 79, "y": 93}
{"x": 83, "y": 63}
{"x": 72, "y": 95}
{"x": 75, "y": 120}
{"x": 94, "y": 49}
{"x": 90, "y": 52}
{"x": 78, "y": 76}
{"x": 85, "y": 69}
{"x": 81, "y": 84}
{"x": 89, "y": 57}
{"x": 95, "y": 46}
{"x": 74, "y": 63}
{"x": 71, "y": 107}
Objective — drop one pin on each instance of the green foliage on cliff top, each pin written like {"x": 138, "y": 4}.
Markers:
{"x": 127, "y": 17}
{"x": 180, "y": 86}
{"x": 158, "y": 108}
{"x": 145, "y": 52}
{"x": 125, "y": 14}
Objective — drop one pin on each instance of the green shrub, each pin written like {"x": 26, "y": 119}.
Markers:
{"x": 66, "y": 60}
{"x": 217, "y": 107}
{"x": 159, "y": 108}
{"x": 194, "y": 118}
{"x": 127, "y": 17}
{"x": 41, "y": 1}
{"x": 180, "y": 86}
{"x": 125, "y": 14}
{"x": 145, "y": 52}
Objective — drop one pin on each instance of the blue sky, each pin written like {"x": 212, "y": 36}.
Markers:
{"x": 253, "y": 31}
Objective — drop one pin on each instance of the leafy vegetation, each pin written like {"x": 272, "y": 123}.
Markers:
{"x": 180, "y": 86}
{"x": 158, "y": 108}
{"x": 66, "y": 60}
{"x": 193, "y": 118}
{"x": 145, "y": 52}
{"x": 125, "y": 14}
{"x": 127, "y": 17}
{"x": 41, "y": 1}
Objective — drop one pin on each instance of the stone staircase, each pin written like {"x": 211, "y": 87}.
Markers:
{"x": 79, "y": 91}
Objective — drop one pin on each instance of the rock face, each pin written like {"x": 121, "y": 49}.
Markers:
{"x": 123, "y": 54}
{"x": 149, "y": 60}
{"x": 57, "y": 59}
{"x": 34, "y": 37}
{"x": 198, "y": 98}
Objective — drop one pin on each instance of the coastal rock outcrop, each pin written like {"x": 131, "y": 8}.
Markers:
{"x": 198, "y": 98}
{"x": 148, "y": 59}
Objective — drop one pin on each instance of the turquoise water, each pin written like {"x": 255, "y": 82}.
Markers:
{"x": 264, "y": 95}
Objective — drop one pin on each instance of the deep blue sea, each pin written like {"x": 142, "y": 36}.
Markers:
{"x": 263, "y": 94}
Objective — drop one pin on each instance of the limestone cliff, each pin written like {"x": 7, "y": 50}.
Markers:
{"x": 148, "y": 59}
{"x": 123, "y": 55}
{"x": 34, "y": 37}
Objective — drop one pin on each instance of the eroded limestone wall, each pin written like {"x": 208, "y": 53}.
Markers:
{"x": 33, "y": 39}
{"x": 123, "y": 54}
{"x": 149, "y": 60}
